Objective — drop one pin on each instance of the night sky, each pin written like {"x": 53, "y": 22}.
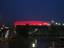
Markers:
{"x": 12, "y": 10}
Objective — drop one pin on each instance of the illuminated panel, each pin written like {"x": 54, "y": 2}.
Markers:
{"x": 35, "y": 23}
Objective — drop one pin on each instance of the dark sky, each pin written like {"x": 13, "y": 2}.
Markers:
{"x": 11, "y": 10}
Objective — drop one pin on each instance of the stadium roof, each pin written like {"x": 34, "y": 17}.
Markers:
{"x": 43, "y": 23}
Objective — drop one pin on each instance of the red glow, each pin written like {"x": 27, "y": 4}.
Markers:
{"x": 39, "y": 23}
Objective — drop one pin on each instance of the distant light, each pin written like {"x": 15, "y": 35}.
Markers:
{"x": 35, "y": 30}
{"x": 63, "y": 24}
{"x": 58, "y": 23}
{"x": 49, "y": 24}
{"x": 52, "y": 21}
{"x": 33, "y": 45}
{"x": 2, "y": 28}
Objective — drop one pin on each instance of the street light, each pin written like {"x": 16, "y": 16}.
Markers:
{"x": 57, "y": 23}
{"x": 33, "y": 45}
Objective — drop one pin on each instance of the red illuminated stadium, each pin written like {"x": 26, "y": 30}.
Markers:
{"x": 35, "y": 23}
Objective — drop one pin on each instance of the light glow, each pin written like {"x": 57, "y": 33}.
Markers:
{"x": 58, "y": 23}
{"x": 63, "y": 24}
{"x": 33, "y": 45}
{"x": 49, "y": 24}
{"x": 39, "y": 23}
